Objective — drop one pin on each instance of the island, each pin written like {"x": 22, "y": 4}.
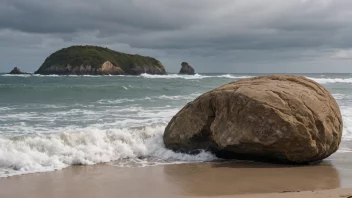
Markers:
{"x": 186, "y": 69}
{"x": 95, "y": 60}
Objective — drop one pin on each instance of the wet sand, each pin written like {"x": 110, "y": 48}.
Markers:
{"x": 215, "y": 179}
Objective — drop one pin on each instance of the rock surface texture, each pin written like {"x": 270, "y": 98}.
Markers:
{"x": 186, "y": 69}
{"x": 276, "y": 118}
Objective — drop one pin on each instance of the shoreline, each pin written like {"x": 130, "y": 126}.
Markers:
{"x": 216, "y": 179}
{"x": 338, "y": 193}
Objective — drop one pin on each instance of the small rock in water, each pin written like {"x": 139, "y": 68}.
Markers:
{"x": 16, "y": 70}
{"x": 186, "y": 69}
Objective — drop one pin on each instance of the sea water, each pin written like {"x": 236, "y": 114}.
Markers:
{"x": 52, "y": 122}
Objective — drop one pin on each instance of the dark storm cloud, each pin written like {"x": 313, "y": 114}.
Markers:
{"x": 66, "y": 16}
{"x": 257, "y": 33}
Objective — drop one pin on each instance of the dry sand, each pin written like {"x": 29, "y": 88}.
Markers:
{"x": 216, "y": 179}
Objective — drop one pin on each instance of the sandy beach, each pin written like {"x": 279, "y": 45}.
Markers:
{"x": 332, "y": 178}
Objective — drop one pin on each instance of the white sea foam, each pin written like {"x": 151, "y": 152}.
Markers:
{"x": 123, "y": 100}
{"x": 338, "y": 96}
{"x": 232, "y": 76}
{"x": 179, "y": 97}
{"x": 17, "y": 75}
{"x": 192, "y": 77}
{"x": 86, "y": 146}
{"x": 162, "y": 97}
{"x": 125, "y": 134}
{"x": 331, "y": 80}
{"x": 171, "y": 76}
{"x": 344, "y": 150}
{"x": 346, "y": 112}
{"x": 5, "y": 109}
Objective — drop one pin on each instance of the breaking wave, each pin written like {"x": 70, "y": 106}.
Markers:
{"x": 87, "y": 146}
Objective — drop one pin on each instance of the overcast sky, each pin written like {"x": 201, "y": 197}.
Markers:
{"x": 212, "y": 35}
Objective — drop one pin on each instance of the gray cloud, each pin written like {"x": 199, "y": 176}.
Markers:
{"x": 231, "y": 35}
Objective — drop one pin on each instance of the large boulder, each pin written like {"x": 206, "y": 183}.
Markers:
{"x": 186, "y": 69}
{"x": 276, "y": 118}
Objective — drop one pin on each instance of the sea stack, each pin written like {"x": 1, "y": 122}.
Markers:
{"x": 276, "y": 118}
{"x": 186, "y": 69}
{"x": 16, "y": 70}
{"x": 95, "y": 60}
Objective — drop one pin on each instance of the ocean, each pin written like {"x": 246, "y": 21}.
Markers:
{"x": 51, "y": 122}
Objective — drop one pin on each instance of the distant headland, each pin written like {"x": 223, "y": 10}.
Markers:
{"x": 95, "y": 60}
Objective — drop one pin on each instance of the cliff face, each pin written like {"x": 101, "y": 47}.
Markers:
{"x": 93, "y": 60}
{"x": 186, "y": 69}
{"x": 106, "y": 68}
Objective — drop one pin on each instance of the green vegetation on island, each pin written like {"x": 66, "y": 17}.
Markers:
{"x": 98, "y": 60}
